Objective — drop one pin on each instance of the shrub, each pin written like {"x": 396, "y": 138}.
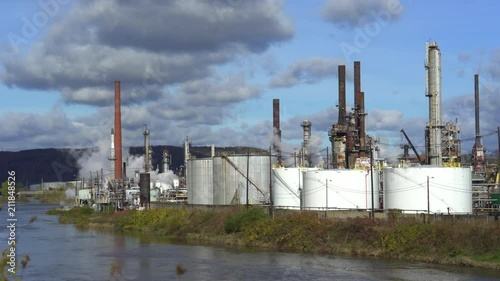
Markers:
{"x": 236, "y": 221}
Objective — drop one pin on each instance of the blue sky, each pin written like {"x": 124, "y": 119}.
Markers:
{"x": 219, "y": 64}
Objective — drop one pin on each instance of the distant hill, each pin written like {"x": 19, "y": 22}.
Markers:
{"x": 31, "y": 166}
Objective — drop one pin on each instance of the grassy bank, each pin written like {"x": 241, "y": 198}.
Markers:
{"x": 458, "y": 242}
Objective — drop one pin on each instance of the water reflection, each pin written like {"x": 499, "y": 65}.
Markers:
{"x": 63, "y": 252}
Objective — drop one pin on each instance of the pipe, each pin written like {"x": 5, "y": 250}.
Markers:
{"x": 118, "y": 133}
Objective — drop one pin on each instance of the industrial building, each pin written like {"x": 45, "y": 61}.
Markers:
{"x": 354, "y": 177}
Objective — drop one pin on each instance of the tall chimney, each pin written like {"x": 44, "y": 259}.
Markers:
{"x": 477, "y": 149}
{"x": 476, "y": 98}
{"x": 276, "y": 118}
{"x": 357, "y": 85}
{"x": 357, "y": 108}
{"x": 276, "y": 128}
{"x": 362, "y": 129}
{"x": 146, "y": 151}
{"x": 342, "y": 103}
{"x": 118, "y": 133}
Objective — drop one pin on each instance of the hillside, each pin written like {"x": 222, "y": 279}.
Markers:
{"x": 31, "y": 166}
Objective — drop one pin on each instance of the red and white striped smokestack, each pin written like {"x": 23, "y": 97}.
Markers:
{"x": 118, "y": 133}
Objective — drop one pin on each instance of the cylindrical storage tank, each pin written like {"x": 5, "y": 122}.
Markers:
{"x": 287, "y": 183}
{"x": 200, "y": 181}
{"x": 144, "y": 187}
{"x": 343, "y": 189}
{"x": 442, "y": 190}
{"x": 230, "y": 183}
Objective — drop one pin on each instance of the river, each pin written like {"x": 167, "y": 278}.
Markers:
{"x": 64, "y": 252}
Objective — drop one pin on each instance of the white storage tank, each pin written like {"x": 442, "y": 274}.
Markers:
{"x": 287, "y": 183}
{"x": 450, "y": 189}
{"x": 199, "y": 181}
{"x": 343, "y": 189}
{"x": 229, "y": 182}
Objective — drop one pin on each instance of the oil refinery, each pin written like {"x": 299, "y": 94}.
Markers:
{"x": 353, "y": 177}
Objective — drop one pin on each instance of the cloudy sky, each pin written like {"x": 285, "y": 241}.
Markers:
{"x": 210, "y": 69}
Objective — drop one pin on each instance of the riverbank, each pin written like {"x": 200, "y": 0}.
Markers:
{"x": 463, "y": 243}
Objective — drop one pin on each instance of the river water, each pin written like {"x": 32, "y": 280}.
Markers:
{"x": 63, "y": 252}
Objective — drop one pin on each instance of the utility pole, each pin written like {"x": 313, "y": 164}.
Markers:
{"x": 326, "y": 198}
{"x": 428, "y": 202}
{"x": 248, "y": 171}
{"x": 498, "y": 165}
{"x": 371, "y": 178}
{"x": 271, "y": 198}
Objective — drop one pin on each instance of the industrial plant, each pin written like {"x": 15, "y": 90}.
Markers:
{"x": 354, "y": 175}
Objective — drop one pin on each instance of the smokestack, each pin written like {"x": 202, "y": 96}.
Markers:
{"x": 476, "y": 98}
{"x": 146, "y": 151}
{"x": 357, "y": 101}
{"x": 357, "y": 85}
{"x": 118, "y": 133}
{"x": 276, "y": 118}
{"x": 362, "y": 129}
{"x": 276, "y": 128}
{"x": 212, "y": 151}
{"x": 477, "y": 149}
{"x": 342, "y": 103}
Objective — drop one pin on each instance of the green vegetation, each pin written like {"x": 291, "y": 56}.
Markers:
{"x": 467, "y": 243}
{"x": 80, "y": 216}
{"x": 5, "y": 192}
{"x": 8, "y": 271}
{"x": 52, "y": 196}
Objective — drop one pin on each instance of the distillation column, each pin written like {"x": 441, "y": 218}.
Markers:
{"x": 433, "y": 91}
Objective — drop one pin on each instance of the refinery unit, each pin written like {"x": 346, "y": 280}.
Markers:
{"x": 355, "y": 177}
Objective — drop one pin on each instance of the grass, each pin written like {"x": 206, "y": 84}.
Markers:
{"x": 466, "y": 243}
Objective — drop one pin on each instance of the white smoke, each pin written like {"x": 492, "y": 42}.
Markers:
{"x": 70, "y": 193}
{"x": 389, "y": 149}
{"x": 135, "y": 165}
{"x": 96, "y": 159}
{"x": 163, "y": 178}
{"x": 316, "y": 148}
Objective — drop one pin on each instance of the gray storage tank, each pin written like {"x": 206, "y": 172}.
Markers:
{"x": 199, "y": 181}
{"x": 230, "y": 183}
